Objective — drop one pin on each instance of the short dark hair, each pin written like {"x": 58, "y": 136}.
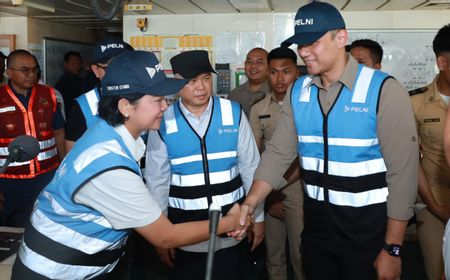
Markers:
{"x": 376, "y": 51}
{"x": 12, "y": 57}
{"x": 70, "y": 54}
{"x": 282, "y": 53}
{"x": 108, "y": 107}
{"x": 441, "y": 42}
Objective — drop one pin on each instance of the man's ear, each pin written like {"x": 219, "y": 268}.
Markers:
{"x": 442, "y": 62}
{"x": 341, "y": 38}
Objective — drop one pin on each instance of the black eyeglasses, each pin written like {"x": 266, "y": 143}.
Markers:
{"x": 26, "y": 70}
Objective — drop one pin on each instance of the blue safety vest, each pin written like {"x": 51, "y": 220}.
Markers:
{"x": 203, "y": 169}
{"x": 342, "y": 165}
{"x": 68, "y": 240}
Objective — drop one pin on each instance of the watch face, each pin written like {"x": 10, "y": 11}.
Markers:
{"x": 395, "y": 250}
{"x": 392, "y": 249}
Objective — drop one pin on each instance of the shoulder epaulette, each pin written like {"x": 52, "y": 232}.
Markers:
{"x": 418, "y": 91}
{"x": 258, "y": 100}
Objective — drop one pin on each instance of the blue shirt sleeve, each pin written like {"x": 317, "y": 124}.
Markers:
{"x": 58, "y": 119}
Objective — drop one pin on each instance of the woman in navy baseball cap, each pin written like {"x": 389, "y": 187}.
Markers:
{"x": 81, "y": 220}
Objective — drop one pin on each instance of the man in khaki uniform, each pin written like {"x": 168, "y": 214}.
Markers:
{"x": 284, "y": 216}
{"x": 257, "y": 86}
{"x": 430, "y": 105}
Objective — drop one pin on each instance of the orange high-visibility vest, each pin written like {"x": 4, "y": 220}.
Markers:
{"x": 37, "y": 121}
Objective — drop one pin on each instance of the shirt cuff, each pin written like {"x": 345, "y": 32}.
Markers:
{"x": 259, "y": 213}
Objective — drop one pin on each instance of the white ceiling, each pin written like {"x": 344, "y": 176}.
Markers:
{"x": 80, "y": 13}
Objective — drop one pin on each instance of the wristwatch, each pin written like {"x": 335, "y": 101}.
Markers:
{"x": 392, "y": 249}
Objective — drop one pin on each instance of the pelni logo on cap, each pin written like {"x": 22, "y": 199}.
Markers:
{"x": 152, "y": 71}
{"x": 304, "y": 21}
{"x": 112, "y": 46}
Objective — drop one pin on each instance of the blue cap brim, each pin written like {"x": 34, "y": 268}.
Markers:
{"x": 305, "y": 38}
{"x": 168, "y": 86}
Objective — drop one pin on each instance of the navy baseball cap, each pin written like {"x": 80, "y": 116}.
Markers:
{"x": 138, "y": 72}
{"x": 312, "y": 21}
{"x": 108, "y": 48}
{"x": 190, "y": 64}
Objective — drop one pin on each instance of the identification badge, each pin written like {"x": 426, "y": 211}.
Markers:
{"x": 7, "y": 109}
{"x": 432, "y": 120}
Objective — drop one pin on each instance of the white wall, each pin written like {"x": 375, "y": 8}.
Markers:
{"x": 17, "y": 26}
{"x": 215, "y": 24}
{"x": 38, "y": 29}
{"x": 401, "y": 53}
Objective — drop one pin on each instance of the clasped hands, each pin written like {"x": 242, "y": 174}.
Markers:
{"x": 244, "y": 218}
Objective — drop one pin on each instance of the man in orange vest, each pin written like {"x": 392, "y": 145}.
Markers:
{"x": 27, "y": 107}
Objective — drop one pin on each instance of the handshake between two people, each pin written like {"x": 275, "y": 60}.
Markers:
{"x": 245, "y": 224}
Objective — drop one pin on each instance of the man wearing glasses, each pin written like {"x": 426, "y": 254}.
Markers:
{"x": 27, "y": 107}
{"x": 84, "y": 109}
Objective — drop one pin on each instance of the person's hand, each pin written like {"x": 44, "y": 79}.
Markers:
{"x": 387, "y": 266}
{"x": 246, "y": 217}
{"x": 274, "y": 205}
{"x": 256, "y": 234}
{"x": 166, "y": 255}
{"x": 276, "y": 210}
{"x": 235, "y": 214}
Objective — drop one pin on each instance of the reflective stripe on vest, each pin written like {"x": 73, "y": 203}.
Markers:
{"x": 89, "y": 106}
{"x": 54, "y": 270}
{"x": 202, "y": 203}
{"x": 347, "y": 198}
{"x": 199, "y": 179}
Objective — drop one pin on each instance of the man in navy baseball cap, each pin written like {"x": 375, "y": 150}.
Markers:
{"x": 107, "y": 49}
{"x": 138, "y": 72}
{"x": 312, "y": 21}
{"x": 84, "y": 110}
{"x": 327, "y": 117}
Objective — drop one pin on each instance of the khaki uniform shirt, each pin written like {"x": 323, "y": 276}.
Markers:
{"x": 430, "y": 111}
{"x": 246, "y": 98}
{"x": 395, "y": 129}
{"x": 264, "y": 117}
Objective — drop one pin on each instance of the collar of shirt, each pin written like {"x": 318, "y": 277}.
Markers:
{"x": 199, "y": 124}
{"x": 348, "y": 77}
{"x": 15, "y": 92}
{"x": 136, "y": 146}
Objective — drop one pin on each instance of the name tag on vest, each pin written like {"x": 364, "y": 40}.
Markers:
{"x": 263, "y": 117}
{"x": 7, "y": 109}
{"x": 432, "y": 120}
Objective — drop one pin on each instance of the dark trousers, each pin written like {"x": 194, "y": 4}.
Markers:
{"x": 229, "y": 264}
{"x": 323, "y": 260}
